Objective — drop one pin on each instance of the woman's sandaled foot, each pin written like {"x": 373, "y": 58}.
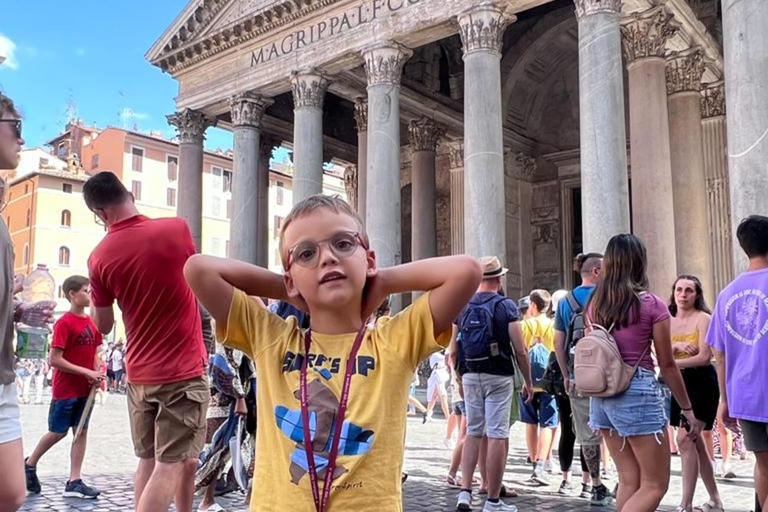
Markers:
{"x": 711, "y": 506}
{"x": 451, "y": 481}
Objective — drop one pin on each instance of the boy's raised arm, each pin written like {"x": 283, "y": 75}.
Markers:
{"x": 214, "y": 279}
{"x": 451, "y": 281}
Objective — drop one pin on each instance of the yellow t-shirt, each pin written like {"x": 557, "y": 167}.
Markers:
{"x": 541, "y": 327}
{"x": 691, "y": 337}
{"x": 369, "y": 465}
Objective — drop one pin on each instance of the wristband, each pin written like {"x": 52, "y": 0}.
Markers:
{"x": 685, "y": 410}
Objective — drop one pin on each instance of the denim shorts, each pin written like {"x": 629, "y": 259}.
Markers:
{"x": 639, "y": 411}
{"x": 541, "y": 411}
{"x": 66, "y": 413}
{"x": 487, "y": 401}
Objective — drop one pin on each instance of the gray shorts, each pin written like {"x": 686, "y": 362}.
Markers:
{"x": 488, "y": 400}
{"x": 755, "y": 435}
{"x": 10, "y": 426}
{"x": 580, "y": 408}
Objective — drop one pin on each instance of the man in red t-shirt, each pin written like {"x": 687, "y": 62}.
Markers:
{"x": 140, "y": 265}
{"x": 73, "y": 356}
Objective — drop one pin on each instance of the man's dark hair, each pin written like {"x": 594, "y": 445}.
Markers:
{"x": 7, "y": 106}
{"x": 585, "y": 263}
{"x": 73, "y": 284}
{"x": 753, "y": 235}
{"x": 104, "y": 189}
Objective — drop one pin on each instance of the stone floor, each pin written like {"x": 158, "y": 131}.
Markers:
{"x": 109, "y": 466}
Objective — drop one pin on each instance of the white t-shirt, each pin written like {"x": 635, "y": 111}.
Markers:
{"x": 117, "y": 360}
{"x": 439, "y": 368}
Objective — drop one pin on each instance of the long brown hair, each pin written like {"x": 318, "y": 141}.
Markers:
{"x": 700, "y": 304}
{"x": 616, "y": 298}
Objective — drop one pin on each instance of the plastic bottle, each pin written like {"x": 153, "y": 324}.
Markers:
{"x": 39, "y": 286}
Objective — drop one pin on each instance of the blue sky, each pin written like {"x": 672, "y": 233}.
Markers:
{"x": 86, "y": 59}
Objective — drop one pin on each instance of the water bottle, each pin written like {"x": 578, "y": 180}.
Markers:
{"x": 38, "y": 293}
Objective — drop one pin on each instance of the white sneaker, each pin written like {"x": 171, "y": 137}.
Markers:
{"x": 549, "y": 466}
{"x": 499, "y": 506}
{"x": 449, "y": 444}
{"x": 465, "y": 501}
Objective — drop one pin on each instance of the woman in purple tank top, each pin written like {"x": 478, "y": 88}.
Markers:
{"x": 633, "y": 423}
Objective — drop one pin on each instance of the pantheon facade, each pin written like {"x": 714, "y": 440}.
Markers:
{"x": 529, "y": 129}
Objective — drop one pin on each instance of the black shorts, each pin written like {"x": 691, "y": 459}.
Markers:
{"x": 459, "y": 409}
{"x": 701, "y": 384}
{"x": 110, "y": 375}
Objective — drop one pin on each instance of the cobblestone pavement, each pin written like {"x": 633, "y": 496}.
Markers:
{"x": 109, "y": 466}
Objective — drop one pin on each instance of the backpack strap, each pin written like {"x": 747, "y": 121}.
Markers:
{"x": 575, "y": 306}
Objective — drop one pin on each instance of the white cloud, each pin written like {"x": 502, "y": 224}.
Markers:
{"x": 128, "y": 116}
{"x": 8, "y": 51}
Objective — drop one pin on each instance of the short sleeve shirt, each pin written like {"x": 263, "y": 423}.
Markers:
{"x": 634, "y": 339}
{"x": 371, "y": 453}
{"x": 79, "y": 338}
{"x": 140, "y": 265}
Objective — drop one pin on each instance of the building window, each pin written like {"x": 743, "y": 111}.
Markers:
{"x": 62, "y": 150}
{"x": 95, "y": 162}
{"x": 136, "y": 190}
{"x": 26, "y": 189}
{"x": 278, "y": 224}
{"x": 25, "y": 254}
{"x": 279, "y": 193}
{"x": 173, "y": 168}
{"x": 215, "y": 246}
{"x": 216, "y": 206}
{"x": 61, "y": 292}
{"x": 29, "y": 217}
{"x": 216, "y": 172}
{"x": 66, "y": 218}
{"x": 43, "y": 162}
{"x": 137, "y": 159}
{"x": 64, "y": 256}
{"x": 170, "y": 198}
{"x": 227, "y": 181}
{"x": 67, "y": 188}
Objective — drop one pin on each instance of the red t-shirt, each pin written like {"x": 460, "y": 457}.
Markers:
{"x": 140, "y": 264}
{"x": 79, "y": 338}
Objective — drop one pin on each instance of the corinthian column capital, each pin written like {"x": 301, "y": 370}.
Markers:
{"x": 645, "y": 35}
{"x": 684, "y": 71}
{"x": 191, "y": 125}
{"x": 248, "y": 109}
{"x": 361, "y": 114}
{"x": 308, "y": 88}
{"x": 713, "y": 100}
{"x": 482, "y": 28}
{"x": 587, "y": 7}
{"x": 384, "y": 63}
{"x": 424, "y": 134}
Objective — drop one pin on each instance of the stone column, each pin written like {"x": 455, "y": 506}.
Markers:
{"x": 384, "y": 66}
{"x": 644, "y": 39}
{"x": 361, "y": 121}
{"x": 684, "y": 72}
{"x": 482, "y": 28}
{"x": 191, "y": 126}
{"x": 456, "y": 160}
{"x": 308, "y": 94}
{"x": 602, "y": 124}
{"x": 247, "y": 189}
{"x": 746, "y": 86}
{"x": 716, "y": 171}
{"x": 423, "y": 135}
{"x": 266, "y": 145}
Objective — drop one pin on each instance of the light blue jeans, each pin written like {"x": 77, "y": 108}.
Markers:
{"x": 488, "y": 401}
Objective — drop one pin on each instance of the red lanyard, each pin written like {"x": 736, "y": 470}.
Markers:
{"x": 321, "y": 503}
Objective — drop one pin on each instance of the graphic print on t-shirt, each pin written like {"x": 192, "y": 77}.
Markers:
{"x": 323, "y": 407}
{"x": 86, "y": 337}
{"x": 743, "y": 311}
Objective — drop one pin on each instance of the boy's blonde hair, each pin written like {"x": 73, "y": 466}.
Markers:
{"x": 320, "y": 202}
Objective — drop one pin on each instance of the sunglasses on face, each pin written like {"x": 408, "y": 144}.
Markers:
{"x": 342, "y": 244}
{"x": 16, "y": 125}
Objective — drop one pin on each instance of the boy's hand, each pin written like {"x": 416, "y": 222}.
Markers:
{"x": 92, "y": 376}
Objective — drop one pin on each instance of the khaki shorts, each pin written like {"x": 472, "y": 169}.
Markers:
{"x": 580, "y": 409}
{"x": 168, "y": 420}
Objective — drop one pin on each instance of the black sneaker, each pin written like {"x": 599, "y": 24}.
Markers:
{"x": 77, "y": 489}
{"x": 586, "y": 491}
{"x": 33, "y": 483}
{"x": 424, "y": 418}
{"x": 601, "y": 496}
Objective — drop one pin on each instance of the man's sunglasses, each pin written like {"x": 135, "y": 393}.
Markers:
{"x": 16, "y": 125}
{"x": 307, "y": 253}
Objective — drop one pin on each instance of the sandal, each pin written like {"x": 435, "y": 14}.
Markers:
{"x": 451, "y": 481}
{"x": 213, "y": 508}
{"x": 710, "y": 506}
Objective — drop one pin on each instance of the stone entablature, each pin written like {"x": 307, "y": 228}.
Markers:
{"x": 191, "y": 125}
{"x": 587, "y": 7}
{"x": 248, "y": 109}
{"x": 645, "y": 35}
{"x": 684, "y": 71}
{"x": 713, "y": 100}
{"x": 424, "y": 134}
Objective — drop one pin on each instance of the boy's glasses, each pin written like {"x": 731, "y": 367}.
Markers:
{"x": 342, "y": 244}
{"x": 16, "y": 125}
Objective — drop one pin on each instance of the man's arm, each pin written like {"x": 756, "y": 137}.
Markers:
{"x": 213, "y": 281}
{"x": 451, "y": 281}
{"x": 58, "y": 362}
{"x": 720, "y": 366}
{"x": 521, "y": 355}
{"x": 104, "y": 318}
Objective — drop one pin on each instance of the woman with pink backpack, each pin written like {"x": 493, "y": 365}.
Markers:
{"x": 613, "y": 365}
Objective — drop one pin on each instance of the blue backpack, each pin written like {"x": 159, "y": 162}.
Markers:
{"x": 478, "y": 343}
{"x": 538, "y": 355}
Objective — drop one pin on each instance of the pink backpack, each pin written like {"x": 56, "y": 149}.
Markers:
{"x": 599, "y": 369}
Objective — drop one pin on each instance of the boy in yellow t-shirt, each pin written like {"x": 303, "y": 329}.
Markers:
{"x": 331, "y": 272}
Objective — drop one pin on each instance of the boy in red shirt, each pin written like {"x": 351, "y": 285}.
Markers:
{"x": 73, "y": 355}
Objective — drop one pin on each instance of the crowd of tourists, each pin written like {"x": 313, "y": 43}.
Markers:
{"x": 607, "y": 363}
